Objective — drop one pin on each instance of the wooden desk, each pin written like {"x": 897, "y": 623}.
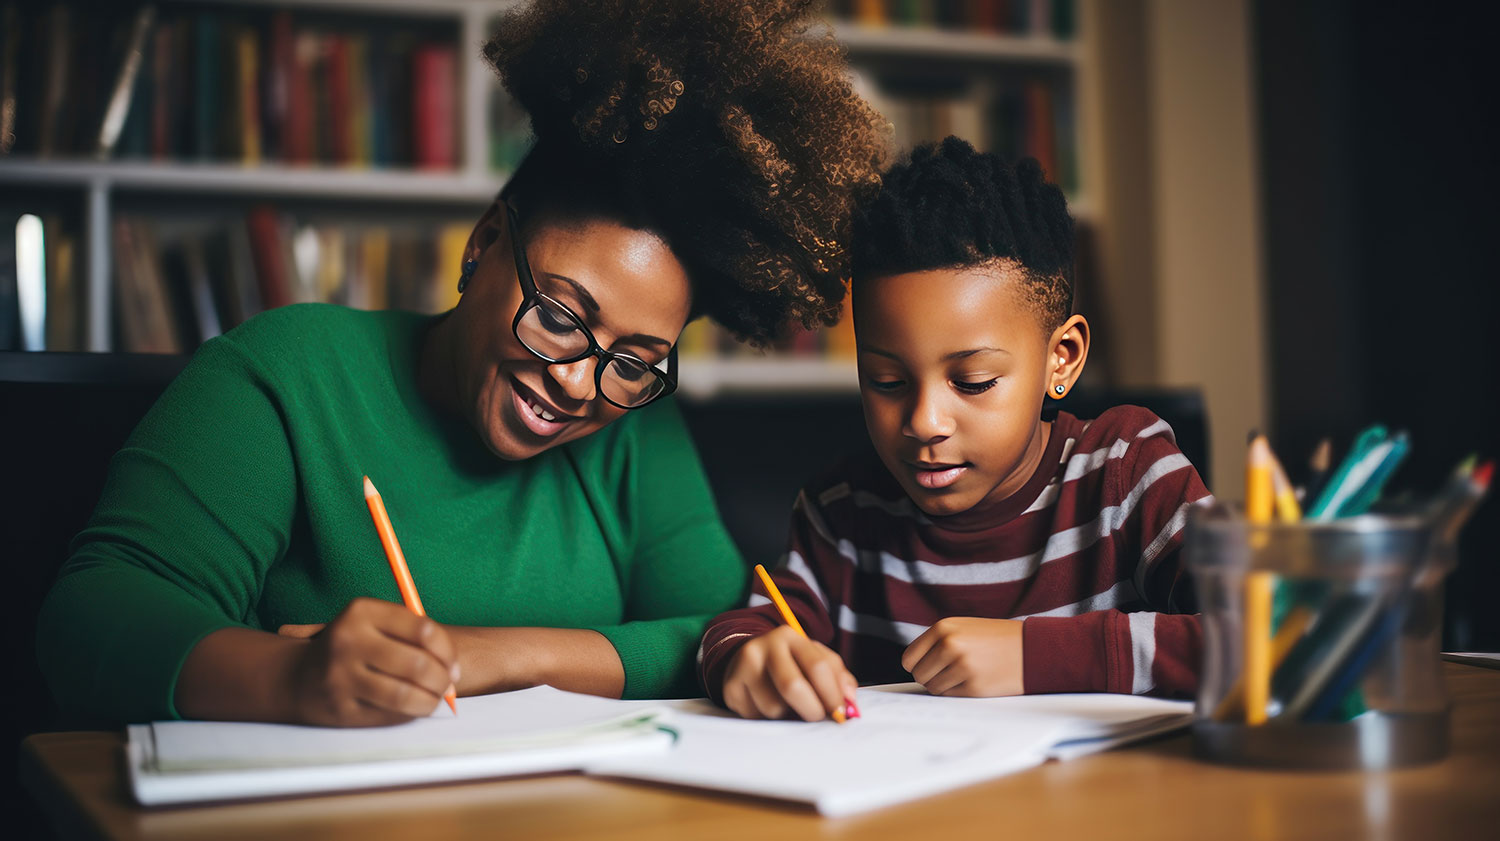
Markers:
{"x": 1155, "y": 791}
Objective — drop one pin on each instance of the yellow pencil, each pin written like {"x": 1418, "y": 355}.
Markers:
{"x": 789, "y": 618}
{"x": 1260, "y": 586}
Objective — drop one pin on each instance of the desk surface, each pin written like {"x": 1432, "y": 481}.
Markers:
{"x": 1155, "y": 791}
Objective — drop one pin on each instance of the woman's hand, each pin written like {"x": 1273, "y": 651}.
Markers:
{"x": 969, "y": 657}
{"x": 376, "y": 663}
{"x": 782, "y": 672}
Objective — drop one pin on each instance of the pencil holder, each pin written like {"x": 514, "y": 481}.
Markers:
{"x": 1320, "y": 641}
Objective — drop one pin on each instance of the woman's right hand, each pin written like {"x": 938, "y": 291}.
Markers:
{"x": 782, "y": 672}
{"x": 375, "y": 663}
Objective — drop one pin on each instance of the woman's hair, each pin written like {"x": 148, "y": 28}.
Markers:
{"x": 949, "y": 206}
{"x": 726, "y": 127}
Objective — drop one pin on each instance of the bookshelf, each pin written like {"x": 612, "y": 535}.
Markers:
{"x": 912, "y": 63}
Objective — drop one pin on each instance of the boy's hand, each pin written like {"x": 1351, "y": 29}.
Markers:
{"x": 375, "y": 663}
{"x": 969, "y": 657}
{"x": 782, "y": 672}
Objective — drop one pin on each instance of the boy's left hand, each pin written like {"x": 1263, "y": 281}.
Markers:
{"x": 969, "y": 657}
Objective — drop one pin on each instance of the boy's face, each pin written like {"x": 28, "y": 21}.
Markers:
{"x": 954, "y": 367}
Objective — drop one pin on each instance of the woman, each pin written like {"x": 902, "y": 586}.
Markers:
{"x": 691, "y": 159}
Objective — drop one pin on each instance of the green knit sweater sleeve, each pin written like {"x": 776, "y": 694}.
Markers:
{"x": 682, "y": 569}
{"x": 197, "y": 506}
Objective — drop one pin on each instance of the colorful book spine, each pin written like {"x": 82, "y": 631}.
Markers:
{"x": 434, "y": 121}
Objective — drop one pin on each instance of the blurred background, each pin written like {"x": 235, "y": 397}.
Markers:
{"x": 1282, "y": 206}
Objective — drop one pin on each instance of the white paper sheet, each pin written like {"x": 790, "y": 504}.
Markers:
{"x": 906, "y": 745}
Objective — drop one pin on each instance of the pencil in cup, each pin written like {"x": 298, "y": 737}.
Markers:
{"x": 393, "y": 554}
{"x": 791, "y": 619}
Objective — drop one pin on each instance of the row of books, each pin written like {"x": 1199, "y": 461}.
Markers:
{"x": 1031, "y": 119}
{"x": 178, "y": 287}
{"x": 228, "y": 83}
{"x": 1037, "y": 18}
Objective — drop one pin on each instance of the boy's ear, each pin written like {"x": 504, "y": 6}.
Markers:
{"x": 1066, "y": 353}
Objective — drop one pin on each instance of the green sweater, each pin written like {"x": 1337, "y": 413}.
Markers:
{"x": 239, "y": 501}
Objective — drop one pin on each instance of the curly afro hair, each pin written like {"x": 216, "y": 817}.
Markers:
{"x": 949, "y": 206}
{"x": 728, "y": 128}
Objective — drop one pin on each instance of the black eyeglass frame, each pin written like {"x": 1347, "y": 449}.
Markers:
{"x": 531, "y": 297}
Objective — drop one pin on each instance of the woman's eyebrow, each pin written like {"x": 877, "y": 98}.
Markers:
{"x": 593, "y": 307}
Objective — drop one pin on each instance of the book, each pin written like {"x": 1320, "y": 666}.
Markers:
{"x": 197, "y": 290}
{"x": 524, "y": 732}
{"x": 125, "y": 81}
{"x": 247, "y": 95}
{"x": 10, "y": 306}
{"x": 207, "y": 86}
{"x": 64, "y": 311}
{"x": 280, "y": 69}
{"x": 272, "y": 270}
{"x": 906, "y": 745}
{"x": 10, "y": 61}
{"x": 434, "y": 119}
{"x": 236, "y": 291}
{"x": 54, "y": 126}
{"x": 337, "y": 83}
{"x": 31, "y": 281}
{"x": 147, "y": 322}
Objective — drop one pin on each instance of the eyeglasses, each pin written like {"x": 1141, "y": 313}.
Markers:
{"x": 553, "y": 333}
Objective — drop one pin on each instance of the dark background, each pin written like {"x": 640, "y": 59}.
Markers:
{"x": 1378, "y": 144}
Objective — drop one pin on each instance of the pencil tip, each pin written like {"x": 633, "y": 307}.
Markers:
{"x": 370, "y": 488}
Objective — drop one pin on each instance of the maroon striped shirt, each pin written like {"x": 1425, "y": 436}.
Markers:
{"x": 1087, "y": 553}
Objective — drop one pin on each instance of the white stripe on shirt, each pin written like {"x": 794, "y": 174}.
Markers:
{"x": 1142, "y": 650}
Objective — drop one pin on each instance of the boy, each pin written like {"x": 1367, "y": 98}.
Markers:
{"x": 985, "y": 552}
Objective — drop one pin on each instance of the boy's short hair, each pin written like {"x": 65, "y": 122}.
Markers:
{"x": 949, "y": 206}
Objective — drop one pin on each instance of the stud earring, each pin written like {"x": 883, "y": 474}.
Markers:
{"x": 1061, "y": 390}
{"x": 466, "y": 274}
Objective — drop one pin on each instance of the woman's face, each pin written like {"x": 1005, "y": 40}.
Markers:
{"x": 624, "y": 284}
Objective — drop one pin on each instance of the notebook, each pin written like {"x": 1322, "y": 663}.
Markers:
{"x": 906, "y": 745}
{"x": 525, "y": 732}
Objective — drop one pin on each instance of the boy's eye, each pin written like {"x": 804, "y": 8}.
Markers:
{"x": 885, "y": 385}
{"x": 968, "y": 387}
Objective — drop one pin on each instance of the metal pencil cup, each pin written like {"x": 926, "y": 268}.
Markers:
{"x": 1349, "y": 626}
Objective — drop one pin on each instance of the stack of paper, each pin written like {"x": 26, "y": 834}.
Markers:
{"x": 529, "y": 731}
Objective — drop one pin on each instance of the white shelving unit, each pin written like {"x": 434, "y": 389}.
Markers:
{"x": 99, "y": 184}
{"x": 706, "y": 377}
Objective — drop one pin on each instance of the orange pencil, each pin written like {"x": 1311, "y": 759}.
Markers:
{"x": 393, "y": 554}
{"x": 791, "y": 619}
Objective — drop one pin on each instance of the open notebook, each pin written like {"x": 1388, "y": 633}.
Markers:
{"x": 526, "y": 732}
{"x": 908, "y": 744}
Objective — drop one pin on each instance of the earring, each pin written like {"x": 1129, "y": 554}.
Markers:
{"x": 466, "y": 274}
{"x": 1060, "y": 389}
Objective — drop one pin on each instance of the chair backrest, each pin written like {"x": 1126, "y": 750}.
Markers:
{"x": 64, "y": 415}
